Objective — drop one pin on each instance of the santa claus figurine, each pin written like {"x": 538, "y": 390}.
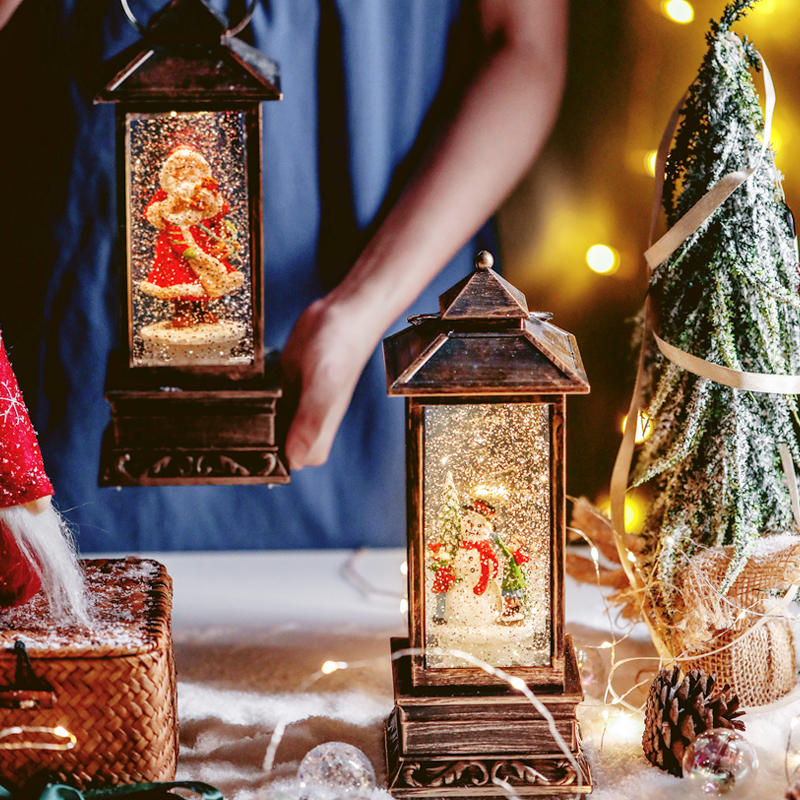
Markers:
{"x": 36, "y": 548}
{"x": 195, "y": 240}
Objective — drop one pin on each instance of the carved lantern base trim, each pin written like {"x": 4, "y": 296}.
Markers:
{"x": 192, "y": 431}
{"x": 441, "y": 744}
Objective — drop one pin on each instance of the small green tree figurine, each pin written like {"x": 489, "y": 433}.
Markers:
{"x": 444, "y": 549}
{"x": 728, "y": 295}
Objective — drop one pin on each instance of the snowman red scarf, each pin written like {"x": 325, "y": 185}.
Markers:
{"x": 35, "y": 547}
{"x": 489, "y": 563}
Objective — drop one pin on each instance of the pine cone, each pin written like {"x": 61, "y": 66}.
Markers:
{"x": 678, "y": 711}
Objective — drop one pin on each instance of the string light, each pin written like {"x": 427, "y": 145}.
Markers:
{"x": 650, "y": 162}
{"x": 404, "y": 606}
{"x": 678, "y": 11}
{"x": 404, "y": 568}
{"x": 765, "y": 7}
{"x": 631, "y": 557}
{"x": 644, "y": 426}
{"x": 602, "y": 259}
{"x": 517, "y": 683}
{"x": 606, "y": 645}
{"x": 331, "y": 666}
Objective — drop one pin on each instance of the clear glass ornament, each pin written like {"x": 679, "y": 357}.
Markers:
{"x": 335, "y": 770}
{"x": 592, "y": 670}
{"x": 720, "y": 761}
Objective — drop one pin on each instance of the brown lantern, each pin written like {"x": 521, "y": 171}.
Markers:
{"x": 193, "y": 396}
{"x": 485, "y": 383}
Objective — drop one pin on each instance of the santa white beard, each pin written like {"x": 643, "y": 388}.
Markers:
{"x": 47, "y": 542}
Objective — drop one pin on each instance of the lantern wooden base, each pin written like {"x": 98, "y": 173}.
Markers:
{"x": 167, "y": 430}
{"x": 440, "y": 743}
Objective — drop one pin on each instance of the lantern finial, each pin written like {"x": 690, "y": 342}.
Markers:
{"x": 484, "y": 260}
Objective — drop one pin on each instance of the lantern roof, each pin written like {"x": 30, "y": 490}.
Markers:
{"x": 186, "y": 55}
{"x": 484, "y": 341}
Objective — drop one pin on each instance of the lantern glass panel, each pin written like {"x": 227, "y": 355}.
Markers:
{"x": 487, "y": 533}
{"x": 189, "y": 272}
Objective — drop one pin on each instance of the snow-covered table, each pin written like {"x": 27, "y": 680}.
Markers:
{"x": 252, "y": 630}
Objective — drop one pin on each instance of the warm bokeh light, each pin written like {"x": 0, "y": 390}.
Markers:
{"x": 635, "y": 512}
{"x": 602, "y": 259}
{"x": 765, "y": 7}
{"x": 678, "y": 11}
{"x": 644, "y": 427}
{"x": 650, "y": 162}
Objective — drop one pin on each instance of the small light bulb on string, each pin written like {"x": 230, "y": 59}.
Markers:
{"x": 678, "y": 11}
{"x": 332, "y": 666}
{"x": 404, "y": 606}
{"x": 650, "y": 162}
{"x": 606, "y": 645}
{"x": 602, "y": 259}
{"x": 517, "y": 683}
{"x": 404, "y": 568}
{"x": 644, "y": 426}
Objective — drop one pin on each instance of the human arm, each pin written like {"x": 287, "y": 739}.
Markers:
{"x": 499, "y": 128}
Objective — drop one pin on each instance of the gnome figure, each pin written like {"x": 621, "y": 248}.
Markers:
{"x": 36, "y": 548}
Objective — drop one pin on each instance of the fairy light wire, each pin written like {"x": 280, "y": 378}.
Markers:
{"x": 514, "y": 682}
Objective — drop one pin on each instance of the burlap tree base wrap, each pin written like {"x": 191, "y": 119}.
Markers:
{"x": 760, "y": 667}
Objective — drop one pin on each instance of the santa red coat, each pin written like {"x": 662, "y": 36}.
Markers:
{"x": 171, "y": 277}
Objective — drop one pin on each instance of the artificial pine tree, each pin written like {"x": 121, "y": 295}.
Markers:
{"x": 446, "y": 546}
{"x": 728, "y": 295}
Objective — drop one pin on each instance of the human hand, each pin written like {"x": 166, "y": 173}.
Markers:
{"x": 321, "y": 364}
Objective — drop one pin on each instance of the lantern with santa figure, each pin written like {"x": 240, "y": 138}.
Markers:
{"x": 485, "y": 384}
{"x": 189, "y": 200}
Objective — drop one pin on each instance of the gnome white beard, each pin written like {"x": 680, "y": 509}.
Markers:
{"x": 46, "y": 540}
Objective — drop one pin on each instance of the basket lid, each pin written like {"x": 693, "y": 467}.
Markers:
{"x": 130, "y": 604}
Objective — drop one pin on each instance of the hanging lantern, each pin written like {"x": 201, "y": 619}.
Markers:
{"x": 485, "y": 384}
{"x": 193, "y": 397}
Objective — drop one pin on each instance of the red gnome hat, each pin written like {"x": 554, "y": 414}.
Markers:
{"x": 22, "y": 480}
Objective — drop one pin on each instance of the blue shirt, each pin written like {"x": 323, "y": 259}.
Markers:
{"x": 365, "y": 83}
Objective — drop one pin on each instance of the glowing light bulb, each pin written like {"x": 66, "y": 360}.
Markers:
{"x": 331, "y": 666}
{"x": 606, "y": 645}
{"x": 605, "y": 714}
{"x": 765, "y": 7}
{"x": 61, "y": 731}
{"x": 517, "y": 683}
{"x": 404, "y": 606}
{"x": 644, "y": 426}
{"x": 650, "y": 162}
{"x": 595, "y": 554}
{"x": 631, "y": 557}
{"x": 678, "y": 11}
{"x": 602, "y": 259}
{"x": 404, "y": 568}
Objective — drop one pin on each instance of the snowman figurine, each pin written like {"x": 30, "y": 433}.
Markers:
{"x": 475, "y": 599}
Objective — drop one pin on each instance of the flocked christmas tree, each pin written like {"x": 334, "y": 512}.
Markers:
{"x": 728, "y": 295}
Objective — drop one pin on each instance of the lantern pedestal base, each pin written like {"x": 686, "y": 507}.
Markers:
{"x": 186, "y": 433}
{"x": 462, "y": 742}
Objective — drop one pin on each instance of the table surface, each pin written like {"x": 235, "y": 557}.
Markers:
{"x": 252, "y": 630}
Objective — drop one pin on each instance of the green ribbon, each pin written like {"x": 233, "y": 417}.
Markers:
{"x": 37, "y": 789}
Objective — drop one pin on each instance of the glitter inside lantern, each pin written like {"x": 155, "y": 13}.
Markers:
{"x": 193, "y": 393}
{"x": 485, "y": 383}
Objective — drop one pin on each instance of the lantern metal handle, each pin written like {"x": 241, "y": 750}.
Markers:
{"x": 233, "y": 31}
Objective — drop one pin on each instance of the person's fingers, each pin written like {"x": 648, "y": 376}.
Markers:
{"x": 316, "y": 420}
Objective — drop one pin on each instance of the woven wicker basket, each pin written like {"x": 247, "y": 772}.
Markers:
{"x": 114, "y": 684}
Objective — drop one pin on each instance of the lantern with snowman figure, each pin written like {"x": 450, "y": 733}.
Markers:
{"x": 485, "y": 384}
